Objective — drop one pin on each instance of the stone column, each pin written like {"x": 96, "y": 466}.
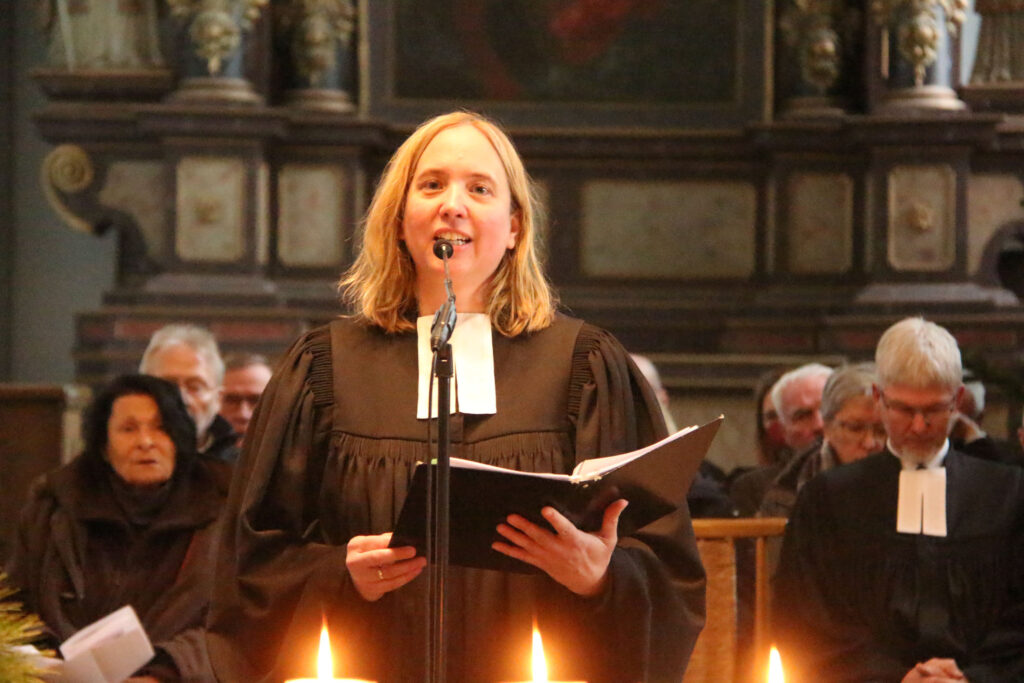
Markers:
{"x": 317, "y": 39}
{"x": 918, "y": 46}
{"x": 815, "y": 62}
{"x": 212, "y": 41}
{"x": 997, "y": 79}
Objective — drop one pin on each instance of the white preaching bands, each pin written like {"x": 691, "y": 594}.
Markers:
{"x": 473, "y": 357}
{"x": 921, "y": 506}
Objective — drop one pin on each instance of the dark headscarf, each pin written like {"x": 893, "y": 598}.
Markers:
{"x": 173, "y": 415}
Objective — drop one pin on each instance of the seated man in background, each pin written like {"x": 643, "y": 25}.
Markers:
{"x": 187, "y": 355}
{"x": 245, "y": 377}
{"x": 906, "y": 565}
{"x": 853, "y": 430}
{"x": 797, "y": 400}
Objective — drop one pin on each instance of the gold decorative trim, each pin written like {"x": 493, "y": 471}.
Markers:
{"x": 67, "y": 169}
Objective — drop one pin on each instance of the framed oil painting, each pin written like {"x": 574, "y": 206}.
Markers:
{"x": 663, "y": 64}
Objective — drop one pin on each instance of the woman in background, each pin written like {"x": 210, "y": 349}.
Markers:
{"x": 853, "y": 430}
{"x": 130, "y": 521}
{"x": 341, "y": 427}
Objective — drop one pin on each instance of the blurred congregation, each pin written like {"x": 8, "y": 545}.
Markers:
{"x": 223, "y": 235}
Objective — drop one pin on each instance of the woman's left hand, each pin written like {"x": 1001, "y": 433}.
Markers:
{"x": 576, "y": 559}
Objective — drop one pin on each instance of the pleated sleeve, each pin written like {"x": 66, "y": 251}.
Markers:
{"x": 271, "y": 559}
{"x": 644, "y": 627}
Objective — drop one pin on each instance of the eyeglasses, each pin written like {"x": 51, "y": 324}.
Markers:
{"x": 237, "y": 400}
{"x": 929, "y": 414}
{"x": 803, "y": 415}
{"x": 861, "y": 429}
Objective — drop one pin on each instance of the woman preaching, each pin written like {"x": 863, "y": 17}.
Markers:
{"x": 331, "y": 451}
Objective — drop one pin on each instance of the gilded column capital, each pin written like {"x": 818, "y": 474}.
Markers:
{"x": 216, "y": 26}
{"x": 918, "y": 31}
{"x": 315, "y": 30}
{"x": 811, "y": 26}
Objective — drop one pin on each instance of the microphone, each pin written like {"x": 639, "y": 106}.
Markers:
{"x": 444, "y": 250}
{"x": 444, "y": 320}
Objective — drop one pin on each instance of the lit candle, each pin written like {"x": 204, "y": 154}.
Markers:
{"x": 325, "y": 665}
{"x": 539, "y": 663}
{"x": 775, "y": 667}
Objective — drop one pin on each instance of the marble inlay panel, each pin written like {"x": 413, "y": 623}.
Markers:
{"x": 310, "y": 221}
{"x": 922, "y": 217}
{"x": 820, "y": 223}
{"x": 211, "y": 206}
{"x": 668, "y": 230}
{"x": 139, "y": 189}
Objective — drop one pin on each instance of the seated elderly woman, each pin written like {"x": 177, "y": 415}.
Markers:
{"x": 132, "y": 520}
{"x": 853, "y": 430}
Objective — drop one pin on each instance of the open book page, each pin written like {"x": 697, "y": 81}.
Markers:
{"x": 595, "y": 467}
{"x": 108, "y": 650}
{"x": 654, "y": 480}
{"x": 473, "y": 465}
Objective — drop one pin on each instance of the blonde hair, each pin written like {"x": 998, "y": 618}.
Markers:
{"x": 380, "y": 285}
{"x": 919, "y": 354}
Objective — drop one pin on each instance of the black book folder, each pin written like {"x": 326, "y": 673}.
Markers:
{"x": 654, "y": 479}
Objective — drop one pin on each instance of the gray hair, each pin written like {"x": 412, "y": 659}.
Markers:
{"x": 848, "y": 381}
{"x": 197, "y": 338}
{"x": 239, "y": 359}
{"x": 919, "y": 354}
{"x": 798, "y": 374}
{"x": 976, "y": 389}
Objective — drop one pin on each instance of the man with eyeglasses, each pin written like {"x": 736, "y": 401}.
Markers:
{"x": 852, "y": 431}
{"x": 246, "y": 375}
{"x": 187, "y": 355}
{"x": 906, "y": 566}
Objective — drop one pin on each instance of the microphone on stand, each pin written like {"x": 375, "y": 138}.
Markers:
{"x": 444, "y": 319}
{"x": 438, "y": 512}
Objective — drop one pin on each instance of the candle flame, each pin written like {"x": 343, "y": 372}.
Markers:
{"x": 540, "y": 665}
{"x": 324, "y": 665}
{"x": 775, "y": 667}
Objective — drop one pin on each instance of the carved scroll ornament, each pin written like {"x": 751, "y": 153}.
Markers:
{"x": 67, "y": 170}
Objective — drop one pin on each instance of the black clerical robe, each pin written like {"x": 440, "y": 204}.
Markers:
{"x": 330, "y": 454}
{"x": 857, "y": 601}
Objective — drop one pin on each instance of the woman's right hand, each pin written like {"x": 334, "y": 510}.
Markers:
{"x": 377, "y": 569}
{"x": 935, "y": 670}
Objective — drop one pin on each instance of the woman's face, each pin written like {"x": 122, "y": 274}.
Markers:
{"x": 856, "y": 431}
{"x": 138, "y": 448}
{"x": 773, "y": 431}
{"x": 459, "y": 191}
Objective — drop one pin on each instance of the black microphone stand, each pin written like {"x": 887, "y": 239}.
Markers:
{"x": 438, "y": 501}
